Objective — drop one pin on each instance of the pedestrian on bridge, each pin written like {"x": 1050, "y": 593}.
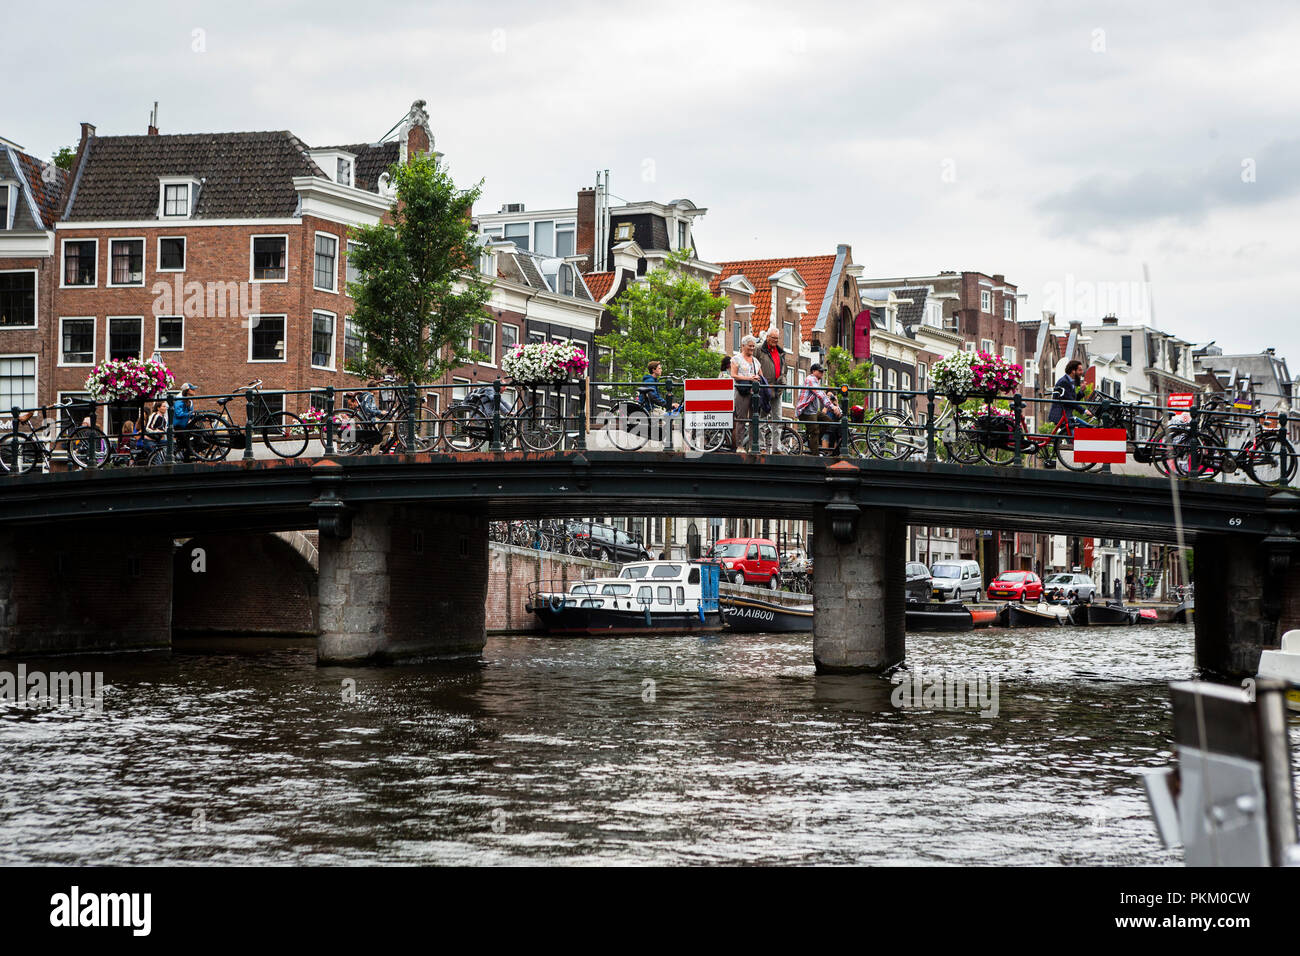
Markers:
{"x": 745, "y": 371}
{"x": 814, "y": 407}
{"x": 772, "y": 361}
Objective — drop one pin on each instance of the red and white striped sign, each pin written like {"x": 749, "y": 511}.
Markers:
{"x": 1181, "y": 399}
{"x": 1104, "y": 445}
{"x": 710, "y": 395}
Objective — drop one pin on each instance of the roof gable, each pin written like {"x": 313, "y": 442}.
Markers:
{"x": 816, "y": 271}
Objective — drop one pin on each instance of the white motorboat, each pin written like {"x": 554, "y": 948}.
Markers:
{"x": 1284, "y": 664}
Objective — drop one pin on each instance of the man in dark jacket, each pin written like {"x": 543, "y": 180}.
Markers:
{"x": 1065, "y": 396}
{"x": 771, "y": 358}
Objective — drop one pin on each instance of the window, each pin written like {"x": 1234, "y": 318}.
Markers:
{"x": 986, "y": 345}
{"x": 353, "y": 274}
{"x": 169, "y": 333}
{"x": 487, "y": 337}
{"x": 623, "y": 233}
{"x": 266, "y": 338}
{"x": 922, "y": 374}
{"x": 327, "y": 272}
{"x": 354, "y": 346}
{"x": 125, "y": 337}
{"x": 564, "y": 280}
{"x": 1029, "y": 423}
{"x": 17, "y": 381}
{"x": 126, "y": 261}
{"x": 892, "y": 400}
{"x": 544, "y": 237}
{"x": 1008, "y": 309}
{"x": 1031, "y": 374}
{"x": 460, "y": 389}
{"x": 519, "y": 233}
{"x": 1126, "y": 349}
{"x": 77, "y": 341}
{"x": 564, "y": 244}
{"x": 986, "y": 300}
{"x": 907, "y": 382}
{"x": 8, "y": 205}
{"x": 736, "y": 335}
{"x": 270, "y": 255}
{"x": 322, "y": 340}
{"x": 171, "y": 254}
{"x": 682, "y": 235}
{"x": 969, "y": 346}
{"x": 1009, "y": 353}
{"x": 343, "y": 171}
{"x": 509, "y": 337}
{"x": 18, "y": 299}
{"x": 176, "y": 200}
{"x": 788, "y": 336}
{"x": 79, "y": 257}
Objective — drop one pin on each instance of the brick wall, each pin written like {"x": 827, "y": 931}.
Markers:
{"x": 37, "y": 341}
{"x": 243, "y": 583}
{"x": 510, "y": 572}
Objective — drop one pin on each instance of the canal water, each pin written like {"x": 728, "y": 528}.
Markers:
{"x": 667, "y": 750}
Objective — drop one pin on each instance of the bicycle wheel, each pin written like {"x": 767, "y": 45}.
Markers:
{"x": 539, "y": 426}
{"x": 19, "y": 453}
{"x": 1197, "y": 456}
{"x": 886, "y": 435}
{"x": 283, "y": 433}
{"x": 88, "y": 447}
{"x": 1271, "y": 461}
{"x": 1063, "y": 449}
{"x": 959, "y": 445}
{"x": 627, "y": 425}
{"x": 210, "y": 436}
{"x": 465, "y": 428}
{"x": 705, "y": 439}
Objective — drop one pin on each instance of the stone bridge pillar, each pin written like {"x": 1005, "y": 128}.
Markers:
{"x": 84, "y": 589}
{"x": 858, "y": 589}
{"x": 404, "y": 581}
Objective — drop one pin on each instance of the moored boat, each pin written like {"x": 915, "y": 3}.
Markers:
{"x": 1038, "y": 615}
{"x": 746, "y": 614}
{"x": 939, "y": 617}
{"x": 1184, "y": 613}
{"x": 647, "y": 597}
{"x": 989, "y": 616}
{"x": 1111, "y": 614}
{"x": 1284, "y": 664}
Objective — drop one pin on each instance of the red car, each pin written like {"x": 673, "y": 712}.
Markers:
{"x": 1016, "y": 586}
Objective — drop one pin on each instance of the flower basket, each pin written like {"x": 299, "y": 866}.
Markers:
{"x": 543, "y": 363}
{"x": 129, "y": 381}
{"x": 964, "y": 373}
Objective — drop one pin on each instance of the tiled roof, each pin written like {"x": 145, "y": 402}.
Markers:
{"x": 815, "y": 270}
{"x": 242, "y": 175}
{"x": 372, "y": 159}
{"x": 46, "y": 182}
{"x": 911, "y": 316}
{"x": 599, "y": 283}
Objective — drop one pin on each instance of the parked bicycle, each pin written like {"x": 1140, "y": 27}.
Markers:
{"x": 1201, "y": 449}
{"x": 21, "y": 450}
{"x": 466, "y": 425}
{"x": 211, "y": 436}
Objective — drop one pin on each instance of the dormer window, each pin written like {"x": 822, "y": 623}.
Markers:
{"x": 623, "y": 232}
{"x": 564, "y": 281}
{"x": 343, "y": 174}
{"x": 176, "y": 198}
{"x": 8, "y": 204}
{"x": 683, "y": 234}
{"x": 335, "y": 164}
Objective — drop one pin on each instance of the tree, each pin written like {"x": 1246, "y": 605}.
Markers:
{"x": 670, "y": 317}
{"x": 420, "y": 294}
{"x": 842, "y": 369}
{"x": 64, "y": 157}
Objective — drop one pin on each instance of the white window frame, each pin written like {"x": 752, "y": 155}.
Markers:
{"x": 273, "y": 235}
{"x": 284, "y": 329}
{"x": 157, "y": 341}
{"x": 35, "y": 373}
{"x": 333, "y": 338}
{"x": 968, "y": 346}
{"x": 63, "y": 263}
{"x": 1009, "y": 353}
{"x": 36, "y": 300}
{"x": 144, "y": 263}
{"x": 509, "y": 325}
{"x": 11, "y": 203}
{"x": 192, "y": 188}
{"x": 458, "y": 383}
{"x": 158, "y": 254}
{"x": 108, "y": 333}
{"x": 346, "y": 320}
{"x": 349, "y": 245}
{"x": 94, "y": 340}
{"x": 987, "y": 346}
{"x": 1008, "y": 308}
{"x": 986, "y": 301}
{"x": 569, "y": 226}
{"x": 922, "y": 376}
{"x": 337, "y": 245}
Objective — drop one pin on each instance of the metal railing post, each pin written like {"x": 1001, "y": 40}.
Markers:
{"x": 248, "y": 424}
{"x": 844, "y": 421}
{"x": 753, "y": 419}
{"x": 580, "y": 426}
{"x": 929, "y": 426}
{"x": 13, "y": 430}
{"x": 1194, "y": 452}
{"x": 1017, "y": 433}
{"x": 495, "y": 445}
{"x": 329, "y": 420}
{"x": 668, "y": 418}
{"x": 411, "y": 394}
{"x": 171, "y": 428}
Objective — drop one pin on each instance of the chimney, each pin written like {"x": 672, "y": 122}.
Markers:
{"x": 1111, "y": 319}
{"x": 585, "y": 240}
{"x": 999, "y": 279}
{"x": 1076, "y": 325}
{"x": 153, "y": 120}
{"x": 87, "y": 132}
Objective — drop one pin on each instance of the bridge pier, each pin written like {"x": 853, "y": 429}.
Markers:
{"x": 408, "y": 581}
{"x": 84, "y": 591}
{"x": 858, "y": 590}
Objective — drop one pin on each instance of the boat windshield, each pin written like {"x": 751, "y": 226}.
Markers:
{"x": 634, "y": 571}
{"x": 946, "y": 571}
{"x": 734, "y": 550}
{"x": 616, "y": 589}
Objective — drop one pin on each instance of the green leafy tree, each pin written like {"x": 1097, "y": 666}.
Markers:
{"x": 64, "y": 157}
{"x": 420, "y": 294}
{"x": 670, "y": 317}
{"x": 842, "y": 369}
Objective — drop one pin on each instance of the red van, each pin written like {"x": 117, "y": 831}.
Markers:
{"x": 748, "y": 560}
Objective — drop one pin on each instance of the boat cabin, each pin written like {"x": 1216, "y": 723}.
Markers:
{"x": 650, "y": 585}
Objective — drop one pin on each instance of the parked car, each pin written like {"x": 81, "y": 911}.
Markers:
{"x": 918, "y": 582}
{"x": 748, "y": 560}
{"x": 956, "y": 581}
{"x": 1016, "y": 586}
{"x": 607, "y": 542}
{"x": 1069, "y": 586}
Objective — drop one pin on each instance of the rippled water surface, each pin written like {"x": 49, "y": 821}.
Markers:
{"x": 562, "y": 751}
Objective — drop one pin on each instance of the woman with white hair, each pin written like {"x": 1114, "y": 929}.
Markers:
{"x": 745, "y": 371}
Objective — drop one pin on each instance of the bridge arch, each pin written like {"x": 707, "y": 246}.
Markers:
{"x": 262, "y": 583}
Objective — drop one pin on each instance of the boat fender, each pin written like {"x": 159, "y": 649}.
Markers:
{"x": 699, "y": 609}
{"x": 557, "y": 602}
{"x": 647, "y": 615}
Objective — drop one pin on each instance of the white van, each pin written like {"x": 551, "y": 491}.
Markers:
{"x": 956, "y": 581}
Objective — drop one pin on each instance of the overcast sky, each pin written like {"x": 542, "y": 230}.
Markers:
{"x": 1064, "y": 145}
